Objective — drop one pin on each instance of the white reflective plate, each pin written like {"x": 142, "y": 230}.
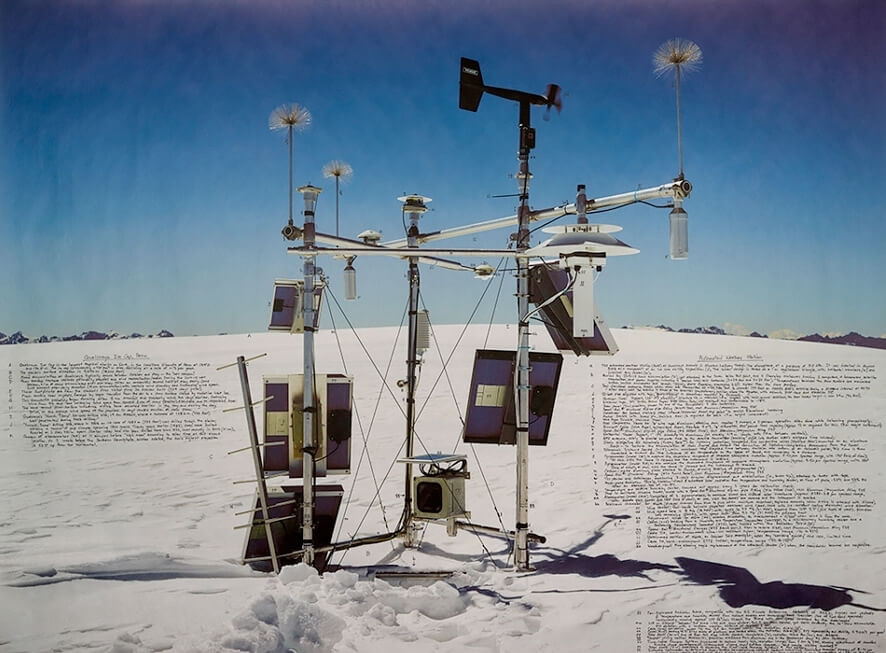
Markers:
{"x": 583, "y": 228}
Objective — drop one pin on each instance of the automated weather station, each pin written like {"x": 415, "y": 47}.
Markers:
{"x": 307, "y": 416}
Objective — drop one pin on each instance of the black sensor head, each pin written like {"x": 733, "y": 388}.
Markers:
{"x": 470, "y": 85}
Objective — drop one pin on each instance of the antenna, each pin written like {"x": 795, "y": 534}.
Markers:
{"x": 341, "y": 171}
{"x": 290, "y": 116}
{"x": 678, "y": 54}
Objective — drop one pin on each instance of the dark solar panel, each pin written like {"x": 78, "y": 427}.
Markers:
{"x": 491, "y": 413}
{"x": 545, "y": 281}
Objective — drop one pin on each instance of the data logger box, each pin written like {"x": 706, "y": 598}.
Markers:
{"x": 438, "y": 497}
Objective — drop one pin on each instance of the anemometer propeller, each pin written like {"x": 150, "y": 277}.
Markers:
{"x": 471, "y": 89}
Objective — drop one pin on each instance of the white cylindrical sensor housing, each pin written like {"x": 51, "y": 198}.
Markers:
{"x": 679, "y": 234}
{"x": 350, "y": 282}
{"x": 423, "y": 332}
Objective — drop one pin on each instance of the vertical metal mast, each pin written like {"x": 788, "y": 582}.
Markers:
{"x": 521, "y": 540}
{"x": 679, "y": 126}
{"x": 309, "y": 400}
{"x": 414, "y": 206}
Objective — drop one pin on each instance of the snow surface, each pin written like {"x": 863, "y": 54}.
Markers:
{"x": 130, "y": 547}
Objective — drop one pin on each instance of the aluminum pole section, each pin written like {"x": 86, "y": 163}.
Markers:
{"x": 411, "y": 364}
{"x": 366, "y": 250}
{"x": 521, "y": 539}
{"x": 677, "y": 189}
{"x": 308, "y": 400}
{"x": 336, "y": 204}
{"x": 362, "y": 247}
{"x": 414, "y": 207}
{"x": 308, "y": 415}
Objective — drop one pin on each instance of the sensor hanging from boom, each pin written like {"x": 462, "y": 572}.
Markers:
{"x": 678, "y": 55}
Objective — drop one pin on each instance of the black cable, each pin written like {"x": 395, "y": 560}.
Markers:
{"x": 317, "y": 460}
{"x": 545, "y": 224}
{"x": 363, "y": 434}
{"x": 403, "y": 518}
{"x": 491, "y": 496}
{"x": 454, "y": 348}
{"x": 445, "y": 371}
{"x": 461, "y": 435}
{"x": 400, "y": 524}
{"x": 501, "y": 281}
{"x": 368, "y": 355}
{"x": 531, "y": 422}
{"x": 611, "y": 208}
{"x": 552, "y": 325}
{"x": 365, "y": 447}
{"x": 435, "y": 469}
{"x": 460, "y": 507}
{"x": 621, "y": 206}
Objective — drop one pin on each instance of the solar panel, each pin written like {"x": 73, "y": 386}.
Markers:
{"x": 285, "y": 505}
{"x": 491, "y": 413}
{"x": 545, "y": 281}
{"x": 284, "y": 422}
{"x": 287, "y": 305}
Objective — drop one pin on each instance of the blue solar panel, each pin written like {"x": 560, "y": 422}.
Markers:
{"x": 284, "y": 417}
{"x": 491, "y": 394}
{"x": 287, "y": 306}
{"x": 545, "y": 281}
{"x": 491, "y": 413}
{"x": 338, "y": 423}
{"x": 287, "y": 533}
{"x": 283, "y": 307}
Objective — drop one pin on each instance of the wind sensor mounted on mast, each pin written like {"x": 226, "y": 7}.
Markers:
{"x": 471, "y": 89}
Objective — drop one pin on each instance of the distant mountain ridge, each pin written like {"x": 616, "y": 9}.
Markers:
{"x": 852, "y": 338}
{"x": 18, "y": 338}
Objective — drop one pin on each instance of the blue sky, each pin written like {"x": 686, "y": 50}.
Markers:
{"x": 141, "y": 189}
